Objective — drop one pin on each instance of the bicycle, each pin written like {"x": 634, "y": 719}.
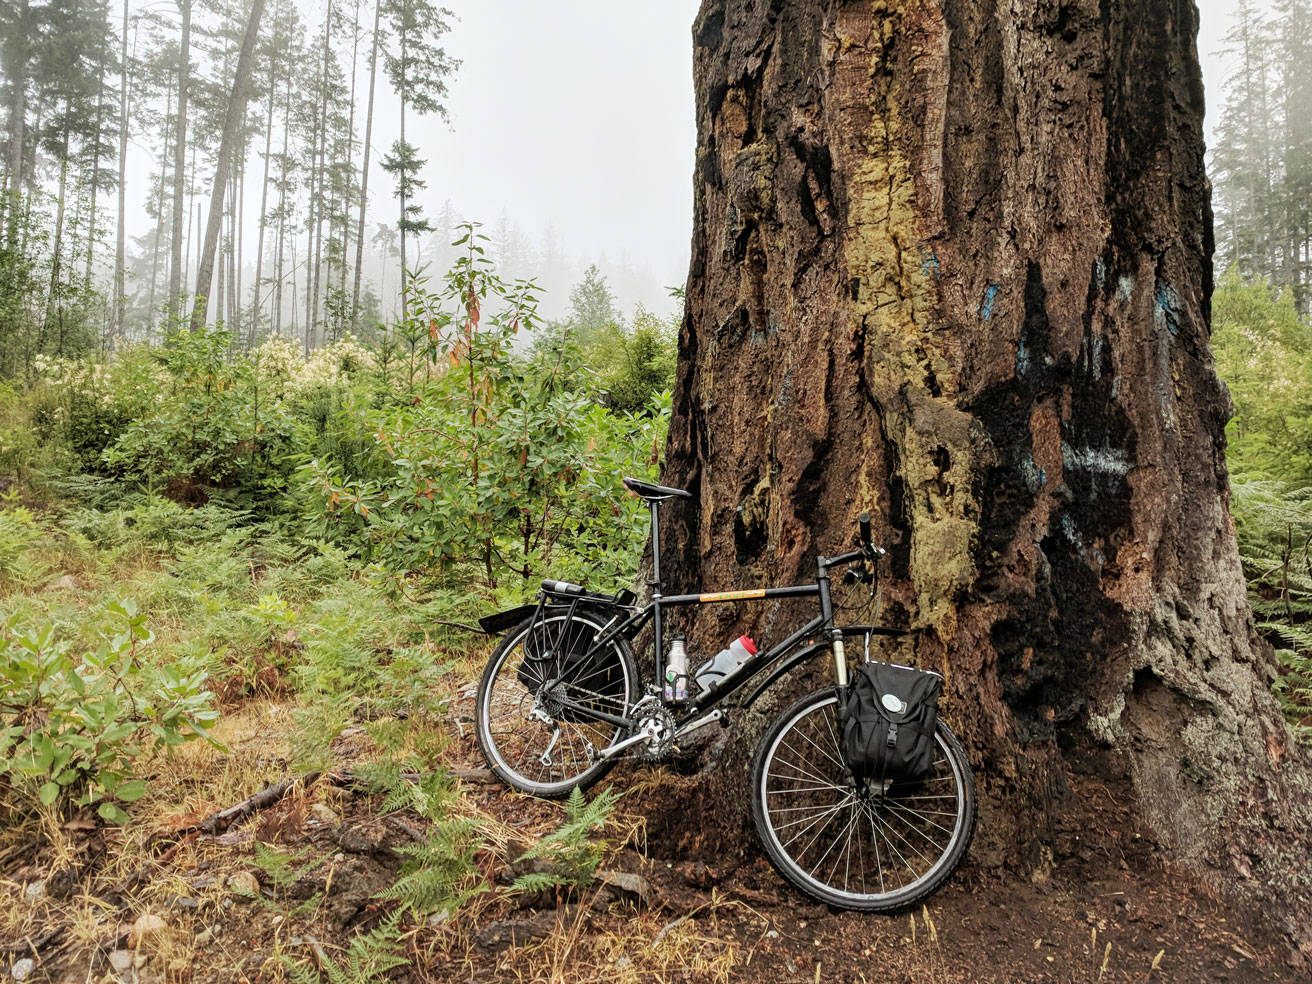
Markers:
{"x": 561, "y": 700}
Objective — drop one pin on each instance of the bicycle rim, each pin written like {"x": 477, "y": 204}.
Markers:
{"x": 549, "y": 757}
{"x": 879, "y": 852}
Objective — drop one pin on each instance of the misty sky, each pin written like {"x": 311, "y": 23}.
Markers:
{"x": 579, "y": 114}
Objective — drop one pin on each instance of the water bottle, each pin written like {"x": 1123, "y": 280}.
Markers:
{"x": 676, "y": 672}
{"x": 726, "y": 662}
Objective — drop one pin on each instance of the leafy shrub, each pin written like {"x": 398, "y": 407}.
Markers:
{"x": 74, "y": 725}
{"x": 486, "y": 469}
{"x": 1274, "y": 527}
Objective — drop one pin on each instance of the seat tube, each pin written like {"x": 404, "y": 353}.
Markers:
{"x": 655, "y": 585}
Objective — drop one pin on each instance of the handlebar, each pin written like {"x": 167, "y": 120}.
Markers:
{"x": 867, "y": 549}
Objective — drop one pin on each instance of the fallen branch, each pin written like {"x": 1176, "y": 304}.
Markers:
{"x": 217, "y": 823}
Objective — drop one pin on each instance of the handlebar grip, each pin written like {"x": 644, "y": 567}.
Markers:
{"x": 864, "y": 523}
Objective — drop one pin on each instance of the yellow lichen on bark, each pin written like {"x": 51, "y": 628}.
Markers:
{"x": 893, "y": 307}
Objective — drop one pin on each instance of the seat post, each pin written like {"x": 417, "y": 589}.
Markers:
{"x": 654, "y": 505}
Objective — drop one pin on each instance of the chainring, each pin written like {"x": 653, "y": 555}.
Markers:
{"x": 658, "y": 747}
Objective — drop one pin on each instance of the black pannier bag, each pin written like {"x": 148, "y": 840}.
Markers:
{"x": 891, "y": 715}
{"x": 559, "y": 651}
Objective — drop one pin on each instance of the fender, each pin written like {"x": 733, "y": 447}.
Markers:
{"x": 508, "y": 619}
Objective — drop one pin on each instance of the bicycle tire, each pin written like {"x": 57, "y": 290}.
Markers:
{"x": 803, "y": 807}
{"x": 512, "y": 738}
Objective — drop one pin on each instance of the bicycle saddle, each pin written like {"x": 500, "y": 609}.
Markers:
{"x": 653, "y": 493}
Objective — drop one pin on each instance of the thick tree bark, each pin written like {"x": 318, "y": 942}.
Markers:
{"x": 951, "y": 264}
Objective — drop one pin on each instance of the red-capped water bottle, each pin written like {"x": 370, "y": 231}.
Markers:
{"x": 726, "y": 663}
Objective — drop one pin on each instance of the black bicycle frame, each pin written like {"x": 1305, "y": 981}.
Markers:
{"x": 751, "y": 667}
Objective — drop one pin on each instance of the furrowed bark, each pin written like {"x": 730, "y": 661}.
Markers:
{"x": 951, "y": 264}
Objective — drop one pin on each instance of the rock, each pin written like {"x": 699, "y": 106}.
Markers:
{"x": 629, "y": 886}
{"x": 505, "y": 933}
{"x": 204, "y": 937}
{"x": 185, "y": 902}
{"x": 22, "y": 969}
{"x": 65, "y": 583}
{"x": 439, "y": 919}
{"x": 358, "y": 839}
{"x": 323, "y": 813}
{"x": 244, "y": 883}
{"x": 35, "y": 890}
{"x": 120, "y": 960}
{"x": 601, "y": 900}
{"x": 147, "y": 925}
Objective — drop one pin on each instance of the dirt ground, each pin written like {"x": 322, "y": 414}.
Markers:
{"x": 215, "y": 908}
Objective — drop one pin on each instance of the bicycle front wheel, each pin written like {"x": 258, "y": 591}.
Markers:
{"x": 880, "y": 850}
{"x": 529, "y": 738}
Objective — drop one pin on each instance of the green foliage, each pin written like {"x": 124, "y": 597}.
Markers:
{"x": 573, "y": 853}
{"x": 368, "y": 957}
{"x": 1264, "y": 353}
{"x": 485, "y": 469}
{"x": 74, "y": 726}
{"x": 1274, "y": 527}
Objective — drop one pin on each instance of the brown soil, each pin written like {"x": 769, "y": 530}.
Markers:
{"x": 1109, "y": 911}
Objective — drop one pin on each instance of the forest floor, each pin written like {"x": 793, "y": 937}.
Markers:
{"x": 284, "y": 893}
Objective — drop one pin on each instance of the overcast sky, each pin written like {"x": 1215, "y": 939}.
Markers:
{"x": 579, "y": 114}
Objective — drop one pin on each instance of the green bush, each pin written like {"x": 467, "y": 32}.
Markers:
{"x": 489, "y": 472}
{"x": 74, "y": 726}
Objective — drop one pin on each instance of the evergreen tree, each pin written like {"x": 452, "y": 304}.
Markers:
{"x": 418, "y": 69}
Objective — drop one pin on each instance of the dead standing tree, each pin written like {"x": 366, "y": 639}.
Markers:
{"x": 951, "y": 263}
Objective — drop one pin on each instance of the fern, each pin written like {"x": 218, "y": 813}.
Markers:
{"x": 1274, "y": 527}
{"x": 368, "y": 958}
{"x": 573, "y": 854}
{"x": 440, "y": 873}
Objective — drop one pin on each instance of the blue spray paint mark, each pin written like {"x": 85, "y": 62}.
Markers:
{"x": 1167, "y": 313}
{"x": 1043, "y": 477}
{"x": 931, "y": 266}
{"x": 986, "y": 309}
{"x": 1022, "y": 358}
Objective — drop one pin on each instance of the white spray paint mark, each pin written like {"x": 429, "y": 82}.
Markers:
{"x": 1101, "y": 461}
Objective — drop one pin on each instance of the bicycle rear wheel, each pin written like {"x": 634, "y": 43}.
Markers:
{"x": 528, "y": 738}
{"x": 880, "y": 851}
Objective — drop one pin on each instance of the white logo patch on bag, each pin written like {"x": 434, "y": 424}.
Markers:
{"x": 893, "y": 703}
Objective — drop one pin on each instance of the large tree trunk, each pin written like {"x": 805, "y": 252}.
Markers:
{"x": 951, "y": 264}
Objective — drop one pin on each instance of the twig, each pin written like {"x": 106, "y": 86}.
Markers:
{"x": 414, "y": 833}
{"x": 217, "y": 823}
{"x": 672, "y": 924}
{"x": 457, "y": 625}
